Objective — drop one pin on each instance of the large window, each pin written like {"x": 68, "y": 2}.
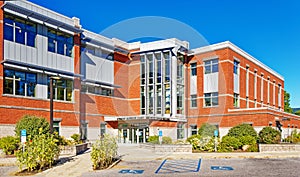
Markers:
{"x": 193, "y": 101}
{"x": 236, "y": 100}
{"x": 19, "y": 30}
{"x": 194, "y": 69}
{"x": 19, "y": 83}
{"x": 59, "y": 42}
{"x": 211, "y": 66}
{"x": 62, "y": 89}
{"x": 211, "y": 99}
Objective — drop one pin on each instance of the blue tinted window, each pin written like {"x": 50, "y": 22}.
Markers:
{"x": 8, "y": 29}
{"x": 19, "y": 30}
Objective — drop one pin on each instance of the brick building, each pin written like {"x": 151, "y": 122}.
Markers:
{"x": 131, "y": 90}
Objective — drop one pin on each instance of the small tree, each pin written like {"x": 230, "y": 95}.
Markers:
{"x": 32, "y": 124}
{"x": 39, "y": 152}
{"x": 104, "y": 151}
{"x": 207, "y": 130}
{"x": 269, "y": 135}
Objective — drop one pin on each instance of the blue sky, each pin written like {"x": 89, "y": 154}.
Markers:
{"x": 268, "y": 30}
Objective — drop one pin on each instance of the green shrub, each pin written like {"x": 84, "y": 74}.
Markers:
{"x": 9, "y": 144}
{"x": 269, "y": 135}
{"x": 294, "y": 137}
{"x": 207, "y": 144}
{"x": 229, "y": 143}
{"x": 242, "y": 130}
{"x": 207, "y": 130}
{"x": 194, "y": 140}
{"x": 153, "y": 139}
{"x": 32, "y": 124}
{"x": 247, "y": 140}
{"x": 39, "y": 152}
{"x": 104, "y": 151}
{"x": 166, "y": 140}
{"x": 76, "y": 138}
{"x": 62, "y": 141}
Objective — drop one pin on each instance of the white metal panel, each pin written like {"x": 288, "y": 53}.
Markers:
{"x": 23, "y": 51}
{"x": 236, "y": 83}
{"x": 193, "y": 85}
{"x": 97, "y": 69}
{"x": 211, "y": 82}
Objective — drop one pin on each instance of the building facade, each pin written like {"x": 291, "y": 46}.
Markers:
{"x": 131, "y": 90}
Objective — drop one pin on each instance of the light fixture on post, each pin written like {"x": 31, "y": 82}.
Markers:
{"x": 51, "y": 101}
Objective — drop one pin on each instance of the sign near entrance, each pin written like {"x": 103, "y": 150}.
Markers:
{"x": 160, "y": 133}
{"x": 216, "y": 133}
{"x": 23, "y": 136}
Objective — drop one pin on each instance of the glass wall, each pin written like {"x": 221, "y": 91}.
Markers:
{"x": 156, "y": 91}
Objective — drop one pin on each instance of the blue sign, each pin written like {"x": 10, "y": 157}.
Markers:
{"x": 23, "y": 132}
{"x": 160, "y": 133}
{"x": 216, "y": 133}
{"x": 221, "y": 168}
{"x": 131, "y": 171}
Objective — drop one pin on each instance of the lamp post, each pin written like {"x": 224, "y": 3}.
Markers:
{"x": 51, "y": 101}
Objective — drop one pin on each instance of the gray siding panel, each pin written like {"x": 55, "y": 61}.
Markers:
{"x": 96, "y": 68}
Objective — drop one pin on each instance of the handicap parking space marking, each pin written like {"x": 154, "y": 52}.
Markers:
{"x": 226, "y": 168}
{"x": 179, "y": 166}
{"x": 125, "y": 171}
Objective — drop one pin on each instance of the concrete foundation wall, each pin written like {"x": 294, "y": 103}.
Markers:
{"x": 279, "y": 148}
{"x": 7, "y": 130}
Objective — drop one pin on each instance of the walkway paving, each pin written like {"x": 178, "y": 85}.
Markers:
{"x": 78, "y": 165}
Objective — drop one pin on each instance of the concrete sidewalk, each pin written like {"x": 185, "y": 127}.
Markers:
{"x": 80, "y": 164}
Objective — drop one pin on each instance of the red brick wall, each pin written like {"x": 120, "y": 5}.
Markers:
{"x": 220, "y": 113}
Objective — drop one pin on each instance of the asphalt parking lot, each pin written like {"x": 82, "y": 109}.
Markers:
{"x": 183, "y": 167}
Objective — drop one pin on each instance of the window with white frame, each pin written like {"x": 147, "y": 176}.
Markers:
{"x": 102, "y": 128}
{"x": 194, "y": 69}
{"x": 56, "y": 126}
{"x": 211, "y": 99}
{"x": 180, "y": 131}
{"x": 194, "y": 130}
{"x": 211, "y": 66}
{"x": 236, "y": 67}
{"x": 62, "y": 89}
{"x": 193, "y": 101}
{"x": 19, "y": 30}
{"x": 60, "y": 42}
{"x": 19, "y": 83}
{"x": 236, "y": 101}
